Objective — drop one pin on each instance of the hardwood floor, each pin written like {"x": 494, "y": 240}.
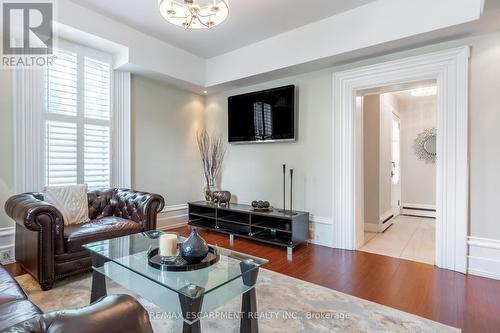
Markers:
{"x": 464, "y": 301}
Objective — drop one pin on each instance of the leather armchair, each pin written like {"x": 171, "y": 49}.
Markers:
{"x": 112, "y": 314}
{"x": 115, "y": 313}
{"x": 49, "y": 250}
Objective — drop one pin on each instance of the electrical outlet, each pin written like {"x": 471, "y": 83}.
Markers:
{"x": 5, "y": 256}
{"x": 318, "y": 238}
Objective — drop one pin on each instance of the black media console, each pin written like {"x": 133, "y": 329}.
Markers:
{"x": 241, "y": 220}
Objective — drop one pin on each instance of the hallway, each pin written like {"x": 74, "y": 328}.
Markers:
{"x": 410, "y": 238}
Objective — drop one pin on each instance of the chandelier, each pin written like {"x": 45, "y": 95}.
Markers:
{"x": 192, "y": 14}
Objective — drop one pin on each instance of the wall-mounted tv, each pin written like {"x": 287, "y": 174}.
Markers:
{"x": 262, "y": 116}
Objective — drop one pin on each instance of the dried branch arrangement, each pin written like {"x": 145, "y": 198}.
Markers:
{"x": 212, "y": 150}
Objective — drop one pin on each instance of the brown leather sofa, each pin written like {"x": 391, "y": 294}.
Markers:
{"x": 116, "y": 313}
{"x": 50, "y": 251}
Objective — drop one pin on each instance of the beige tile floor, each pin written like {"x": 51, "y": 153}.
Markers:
{"x": 411, "y": 238}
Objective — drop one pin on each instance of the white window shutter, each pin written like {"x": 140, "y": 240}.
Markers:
{"x": 61, "y": 153}
{"x": 97, "y": 89}
{"x": 78, "y": 120}
{"x": 97, "y": 161}
{"x": 62, "y": 92}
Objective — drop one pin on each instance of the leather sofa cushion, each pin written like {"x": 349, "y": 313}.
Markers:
{"x": 15, "y": 312}
{"x": 9, "y": 289}
{"x": 14, "y": 306}
{"x": 108, "y": 227}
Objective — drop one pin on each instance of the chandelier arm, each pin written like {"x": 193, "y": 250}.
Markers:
{"x": 190, "y": 22}
{"x": 207, "y": 15}
{"x": 179, "y": 17}
{"x": 204, "y": 24}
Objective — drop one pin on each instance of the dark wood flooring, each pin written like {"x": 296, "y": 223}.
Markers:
{"x": 465, "y": 301}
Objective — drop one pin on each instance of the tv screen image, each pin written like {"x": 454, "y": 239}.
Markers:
{"x": 261, "y": 116}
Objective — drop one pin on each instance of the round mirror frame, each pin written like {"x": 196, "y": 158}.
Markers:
{"x": 420, "y": 144}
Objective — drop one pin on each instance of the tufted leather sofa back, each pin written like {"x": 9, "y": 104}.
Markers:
{"x": 125, "y": 203}
{"x": 101, "y": 203}
{"x": 130, "y": 204}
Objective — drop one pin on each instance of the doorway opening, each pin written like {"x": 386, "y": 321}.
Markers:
{"x": 399, "y": 170}
{"x": 449, "y": 69}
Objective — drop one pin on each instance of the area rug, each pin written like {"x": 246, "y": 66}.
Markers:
{"x": 285, "y": 304}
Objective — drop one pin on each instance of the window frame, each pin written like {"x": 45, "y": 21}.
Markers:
{"x": 80, "y": 120}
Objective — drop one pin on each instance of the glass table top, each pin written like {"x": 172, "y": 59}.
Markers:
{"x": 125, "y": 260}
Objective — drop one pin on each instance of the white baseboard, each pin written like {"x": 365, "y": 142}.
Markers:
{"x": 7, "y": 244}
{"x": 484, "y": 257}
{"x": 320, "y": 230}
{"x": 172, "y": 217}
{"x": 175, "y": 225}
{"x": 413, "y": 209}
{"x": 379, "y": 226}
{"x": 174, "y": 208}
{"x": 386, "y": 215}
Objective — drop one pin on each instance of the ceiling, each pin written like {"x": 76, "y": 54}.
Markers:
{"x": 406, "y": 96}
{"x": 249, "y": 21}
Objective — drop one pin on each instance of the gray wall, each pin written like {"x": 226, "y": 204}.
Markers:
{"x": 418, "y": 178}
{"x": 485, "y": 137}
{"x": 164, "y": 152}
{"x": 6, "y": 144}
{"x": 165, "y": 157}
{"x": 253, "y": 171}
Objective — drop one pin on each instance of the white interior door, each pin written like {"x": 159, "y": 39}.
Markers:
{"x": 395, "y": 165}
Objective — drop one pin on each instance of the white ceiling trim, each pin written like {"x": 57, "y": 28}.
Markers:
{"x": 362, "y": 28}
{"x": 376, "y": 23}
{"x": 144, "y": 52}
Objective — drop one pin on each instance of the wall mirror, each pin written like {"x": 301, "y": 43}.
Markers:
{"x": 425, "y": 145}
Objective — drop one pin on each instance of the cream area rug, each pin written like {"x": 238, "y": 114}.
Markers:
{"x": 285, "y": 304}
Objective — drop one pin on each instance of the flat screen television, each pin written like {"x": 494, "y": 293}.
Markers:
{"x": 262, "y": 116}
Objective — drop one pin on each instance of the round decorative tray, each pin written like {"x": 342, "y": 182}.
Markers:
{"x": 181, "y": 265}
{"x": 268, "y": 209}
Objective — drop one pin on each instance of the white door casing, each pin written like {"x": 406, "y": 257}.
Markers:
{"x": 450, "y": 70}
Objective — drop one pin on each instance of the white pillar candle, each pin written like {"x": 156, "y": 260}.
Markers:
{"x": 168, "y": 245}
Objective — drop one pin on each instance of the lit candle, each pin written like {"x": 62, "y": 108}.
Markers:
{"x": 168, "y": 245}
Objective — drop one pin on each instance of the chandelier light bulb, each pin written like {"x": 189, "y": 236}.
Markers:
{"x": 191, "y": 14}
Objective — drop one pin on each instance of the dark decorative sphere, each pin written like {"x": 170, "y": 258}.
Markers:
{"x": 255, "y": 204}
{"x": 266, "y": 204}
{"x": 260, "y": 204}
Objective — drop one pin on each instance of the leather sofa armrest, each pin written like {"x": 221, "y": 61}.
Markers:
{"x": 111, "y": 314}
{"x": 25, "y": 209}
{"x": 31, "y": 212}
{"x": 141, "y": 207}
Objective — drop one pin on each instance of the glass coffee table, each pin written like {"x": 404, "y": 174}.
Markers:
{"x": 192, "y": 294}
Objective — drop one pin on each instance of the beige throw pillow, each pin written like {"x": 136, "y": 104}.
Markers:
{"x": 71, "y": 200}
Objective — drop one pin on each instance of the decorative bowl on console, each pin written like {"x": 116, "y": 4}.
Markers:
{"x": 261, "y": 206}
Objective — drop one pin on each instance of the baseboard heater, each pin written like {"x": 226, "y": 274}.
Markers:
{"x": 387, "y": 219}
{"x": 419, "y": 211}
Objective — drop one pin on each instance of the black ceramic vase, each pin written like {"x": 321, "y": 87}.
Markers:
{"x": 194, "y": 249}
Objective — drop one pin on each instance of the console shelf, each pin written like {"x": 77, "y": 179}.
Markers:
{"x": 274, "y": 227}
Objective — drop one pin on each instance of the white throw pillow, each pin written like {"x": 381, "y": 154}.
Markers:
{"x": 71, "y": 200}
